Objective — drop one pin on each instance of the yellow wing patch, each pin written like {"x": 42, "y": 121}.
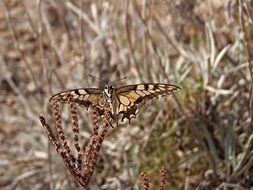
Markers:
{"x": 124, "y": 100}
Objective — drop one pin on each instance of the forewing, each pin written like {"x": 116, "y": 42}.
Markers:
{"x": 132, "y": 96}
{"x": 83, "y": 96}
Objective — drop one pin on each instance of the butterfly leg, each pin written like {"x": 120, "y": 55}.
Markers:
{"x": 116, "y": 120}
{"x": 111, "y": 125}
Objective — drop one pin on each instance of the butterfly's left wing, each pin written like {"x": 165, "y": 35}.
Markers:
{"x": 130, "y": 97}
{"x": 84, "y": 97}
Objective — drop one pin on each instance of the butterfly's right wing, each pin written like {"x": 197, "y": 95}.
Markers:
{"x": 84, "y": 97}
{"x": 131, "y": 97}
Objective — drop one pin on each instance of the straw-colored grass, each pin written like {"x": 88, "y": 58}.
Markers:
{"x": 202, "y": 135}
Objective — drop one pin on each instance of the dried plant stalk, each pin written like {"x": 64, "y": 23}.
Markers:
{"x": 62, "y": 137}
{"x": 163, "y": 174}
{"x": 145, "y": 181}
{"x": 75, "y": 128}
{"x": 93, "y": 148}
{"x": 94, "y": 119}
{"x": 50, "y": 134}
{"x": 91, "y": 151}
{"x": 61, "y": 151}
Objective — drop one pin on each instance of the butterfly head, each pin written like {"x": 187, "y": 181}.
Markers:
{"x": 108, "y": 90}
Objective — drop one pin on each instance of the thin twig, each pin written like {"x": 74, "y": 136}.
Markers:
{"x": 129, "y": 39}
{"x": 249, "y": 50}
{"x": 17, "y": 45}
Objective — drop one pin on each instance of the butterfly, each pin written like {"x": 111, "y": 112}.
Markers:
{"x": 122, "y": 100}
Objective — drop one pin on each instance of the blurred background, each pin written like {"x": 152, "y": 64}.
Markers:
{"x": 202, "y": 134}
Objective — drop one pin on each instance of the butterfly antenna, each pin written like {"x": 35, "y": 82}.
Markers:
{"x": 118, "y": 80}
{"x": 98, "y": 78}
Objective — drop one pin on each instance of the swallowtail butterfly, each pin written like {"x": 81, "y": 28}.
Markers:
{"x": 124, "y": 100}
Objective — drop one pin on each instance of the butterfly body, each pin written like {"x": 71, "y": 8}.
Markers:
{"x": 124, "y": 100}
{"x": 110, "y": 94}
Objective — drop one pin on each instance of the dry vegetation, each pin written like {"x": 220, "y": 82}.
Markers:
{"x": 202, "y": 135}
